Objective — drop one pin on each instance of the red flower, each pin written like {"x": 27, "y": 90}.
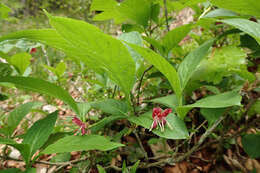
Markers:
{"x": 80, "y": 124}
{"x": 33, "y": 50}
{"x": 159, "y": 117}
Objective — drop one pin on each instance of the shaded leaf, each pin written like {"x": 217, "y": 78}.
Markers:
{"x": 5, "y": 70}
{"x": 211, "y": 114}
{"x": 11, "y": 170}
{"x": 169, "y": 101}
{"x": 173, "y": 37}
{"x": 251, "y": 145}
{"x": 100, "y": 124}
{"x": 39, "y": 133}
{"x": 111, "y": 106}
{"x": 249, "y": 27}
{"x": 23, "y": 148}
{"x": 17, "y": 115}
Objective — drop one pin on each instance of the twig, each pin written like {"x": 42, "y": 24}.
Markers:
{"x": 50, "y": 163}
{"x": 113, "y": 167}
{"x": 141, "y": 145}
{"x": 140, "y": 83}
{"x": 202, "y": 139}
{"x": 166, "y": 15}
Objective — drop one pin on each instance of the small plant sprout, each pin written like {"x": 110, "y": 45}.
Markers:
{"x": 82, "y": 126}
{"x": 159, "y": 117}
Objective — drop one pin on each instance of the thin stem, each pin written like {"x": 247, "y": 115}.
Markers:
{"x": 141, "y": 145}
{"x": 50, "y": 163}
{"x": 114, "y": 91}
{"x": 166, "y": 15}
{"x": 202, "y": 139}
{"x": 140, "y": 84}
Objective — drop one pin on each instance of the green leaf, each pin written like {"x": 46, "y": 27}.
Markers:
{"x": 61, "y": 157}
{"x": 39, "y": 133}
{"x": 135, "y": 11}
{"x": 101, "y": 169}
{"x": 60, "y": 69}
{"x": 251, "y": 145}
{"x": 99, "y": 125}
{"x": 3, "y": 97}
{"x": 52, "y": 38}
{"x": 155, "y": 43}
{"x": 83, "y": 109}
{"x": 170, "y": 101}
{"x": 163, "y": 66}
{"x": 134, "y": 167}
{"x": 109, "y": 10}
{"x": 223, "y": 100}
{"x": 179, "y": 128}
{"x": 20, "y": 61}
{"x": 11, "y": 170}
{"x": 45, "y": 36}
{"x": 173, "y": 37}
{"x": 54, "y": 138}
{"x": 23, "y": 148}
{"x": 30, "y": 170}
{"x": 254, "y": 109}
{"x": 220, "y": 13}
{"x": 211, "y": 114}
{"x": 179, "y": 5}
{"x": 124, "y": 168}
{"x": 43, "y": 87}
{"x": 191, "y": 61}
{"x": 81, "y": 143}
{"x": 107, "y": 52}
{"x": 225, "y": 62}
{"x": 249, "y": 27}
{"x": 5, "y": 70}
{"x": 155, "y": 11}
{"x": 17, "y": 115}
{"x": 248, "y": 7}
{"x": 111, "y": 106}
{"x": 4, "y": 10}
{"x": 134, "y": 38}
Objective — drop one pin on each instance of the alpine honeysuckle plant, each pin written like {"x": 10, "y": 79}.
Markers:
{"x": 160, "y": 83}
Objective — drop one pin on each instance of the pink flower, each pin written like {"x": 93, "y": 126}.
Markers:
{"x": 33, "y": 50}
{"x": 82, "y": 126}
{"x": 159, "y": 118}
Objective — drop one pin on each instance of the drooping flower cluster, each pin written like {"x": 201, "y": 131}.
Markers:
{"x": 159, "y": 118}
{"x": 82, "y": 126}
{"x": 33, "y": 50}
